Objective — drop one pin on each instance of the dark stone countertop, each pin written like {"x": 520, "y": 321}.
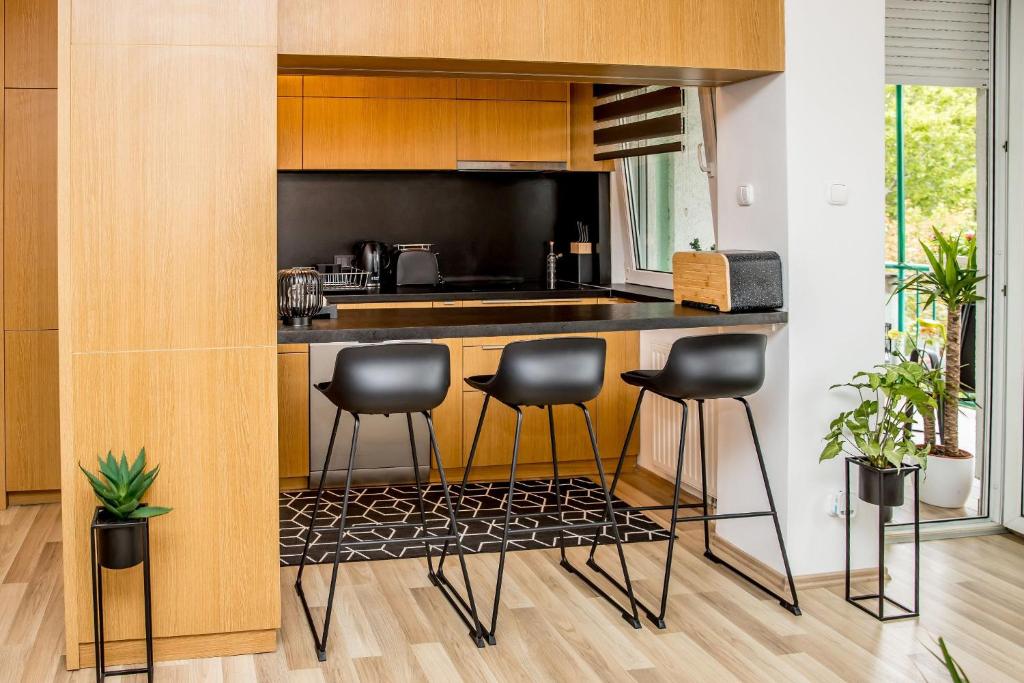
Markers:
{"x": 374, "y": 325}
{"x": 519, "y": 291}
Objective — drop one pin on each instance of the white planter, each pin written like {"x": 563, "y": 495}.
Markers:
{"x": 947, "y": 481}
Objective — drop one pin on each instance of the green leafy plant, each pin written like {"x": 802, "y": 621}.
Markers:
{"x": 122, "y": 486}
{"x": 953, "y": 280}
{"x": 956, "y": 672}
{"x": 880, "y": 427}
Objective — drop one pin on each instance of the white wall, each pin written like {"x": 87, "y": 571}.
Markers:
{"x": 789, "y": 136}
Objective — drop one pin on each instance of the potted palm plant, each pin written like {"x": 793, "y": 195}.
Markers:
{"x": 952, "y": 281}
{"x": 878, "y": 432}
{"x": 119, "y": 488}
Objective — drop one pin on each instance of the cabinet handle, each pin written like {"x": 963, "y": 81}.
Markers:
{"x": 539, "y": 302}
{"x": 492, "y": 347}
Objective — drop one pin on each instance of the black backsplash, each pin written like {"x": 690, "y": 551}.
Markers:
{"x": 481, "y": 223}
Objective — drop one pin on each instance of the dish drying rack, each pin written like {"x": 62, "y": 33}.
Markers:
{"x": 344, "y": 277}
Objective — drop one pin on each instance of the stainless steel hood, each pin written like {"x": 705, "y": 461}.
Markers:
{"x": 511, "y": 166}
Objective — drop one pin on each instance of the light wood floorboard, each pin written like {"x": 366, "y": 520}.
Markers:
{"x": 390, "y": 624}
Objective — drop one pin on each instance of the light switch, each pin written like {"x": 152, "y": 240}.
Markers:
{"x": 745, "y": 195}
{"x": 838, "y": 194}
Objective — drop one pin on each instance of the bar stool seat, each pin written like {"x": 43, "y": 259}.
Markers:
{"x": 388, "y": 379}
{"x": 547, "y": 373}
{"x": 703, "y": 368}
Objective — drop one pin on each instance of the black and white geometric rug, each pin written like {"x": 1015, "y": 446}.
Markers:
{"x": 582, "y": 502}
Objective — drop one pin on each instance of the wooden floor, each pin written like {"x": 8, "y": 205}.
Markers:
{"x": 391, "y": 625}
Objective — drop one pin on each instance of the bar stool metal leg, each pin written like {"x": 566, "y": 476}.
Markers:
{"x": 508, "y": 522}
{"x": 319, "y": 497}
{"x": 321, "y": 641}
{"x": 419, "y": 497}
{"x": 558, "y": 483}
{"x": 476, "y": 632}
{"x": 618, "y": 465}
{"x": 465, "y": 479}
{"x": 793, "y": 606}
{"x": 631, "y": 616}
{"x": 703, "y": 476}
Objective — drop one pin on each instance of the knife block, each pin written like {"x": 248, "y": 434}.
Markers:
{"x": 727, "y": 280}
{"x": 580, "y": 264}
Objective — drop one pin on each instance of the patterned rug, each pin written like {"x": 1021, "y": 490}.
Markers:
{"x": 582, "y": 501}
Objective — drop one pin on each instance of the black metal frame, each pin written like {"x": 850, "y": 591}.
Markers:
{"x": 631, "y": 615}
{"x": 466, "y": 611}
{"x": 99, "y": 641}
{"x": 659, "y": 619}
{"x": 882, "y": 598}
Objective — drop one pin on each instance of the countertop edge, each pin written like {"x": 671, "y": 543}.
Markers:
{"x": 499, "y": 329}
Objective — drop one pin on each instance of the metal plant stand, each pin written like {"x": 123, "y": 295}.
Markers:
{"x": 880, "y": 596}
{"x": 97, "y": 602}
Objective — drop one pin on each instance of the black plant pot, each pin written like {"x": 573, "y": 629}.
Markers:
{"x": 892, "y": 485}
{"x": 120, "y": 545}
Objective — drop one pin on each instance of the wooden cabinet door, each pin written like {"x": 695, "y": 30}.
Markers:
{"x": 30, "y": 210}
{"x": 372, "y": 133}
{"x": 293, "y": 415}
{"x": 32, "y": 433}
{"x": 498, "y": 434}
{"x": 493, "y": 130}
{"x": 614, "y": 405}
{"x": 511, "y": 89}
{"x": 30, "y": 43}
{"x": 289, "y": 133}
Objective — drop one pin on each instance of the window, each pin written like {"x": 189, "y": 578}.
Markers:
{"x": 938, "y": 156}
{"x": 669, "y": 200}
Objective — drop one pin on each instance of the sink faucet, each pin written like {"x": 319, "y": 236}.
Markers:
{"x": 552, "y": 262}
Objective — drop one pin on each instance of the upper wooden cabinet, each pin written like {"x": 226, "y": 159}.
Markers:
{"x": 30, "y": 43}
{"x": 511, "y": 89}
{"x": 30, "y": 210}
{"x": 289, "y": 133}
{"x": 362, "y": 122}
{"x": 377, "y": 86}
{"x": 495, "y": 130}
{"x": 372, "y": 133}
{"x": 691, "y": 41}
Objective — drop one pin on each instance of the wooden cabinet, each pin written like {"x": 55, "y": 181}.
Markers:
{"x": 293, "y": 415}
{"x": 289, "y": 133}
{"x": 511, "y": 89}
{"x": 498, "y": 434}
{"x": 30, "y": 210}
{"x": 32, "y": 425}
{"x": 581, "y": 130}
{"x": 30, "y": 43}
{"x": 371, "y": 133}
{"x": 498, "y": 130}
{"x": 379, "y": 86}
{"x": 359, "y": 122}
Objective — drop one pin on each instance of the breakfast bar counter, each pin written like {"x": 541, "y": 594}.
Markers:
{"x": 377, "y": 325}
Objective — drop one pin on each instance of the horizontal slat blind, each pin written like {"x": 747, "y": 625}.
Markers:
{"x": 938, "y": 42}
{"x": 634, "y": 121}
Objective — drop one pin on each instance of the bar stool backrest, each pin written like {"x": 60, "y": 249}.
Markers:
{"x": 389, "y": 378}
{"x": 713, "y": 366}
{"x": 550, "y": 371}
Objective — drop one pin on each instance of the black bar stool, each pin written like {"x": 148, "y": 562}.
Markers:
{"x": 701, "y": 369}
{"x": 383, "y": 380}
{"x": 544, "y": 374}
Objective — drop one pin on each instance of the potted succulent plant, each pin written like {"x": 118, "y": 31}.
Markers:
{"x": 119, "y": 488}
{"x": 952, "y": 281}
{"x": 878, "y": 433}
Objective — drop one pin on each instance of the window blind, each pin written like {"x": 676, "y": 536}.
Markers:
{"x": 633, "y": 120}
{"x": 938, "y": 42}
